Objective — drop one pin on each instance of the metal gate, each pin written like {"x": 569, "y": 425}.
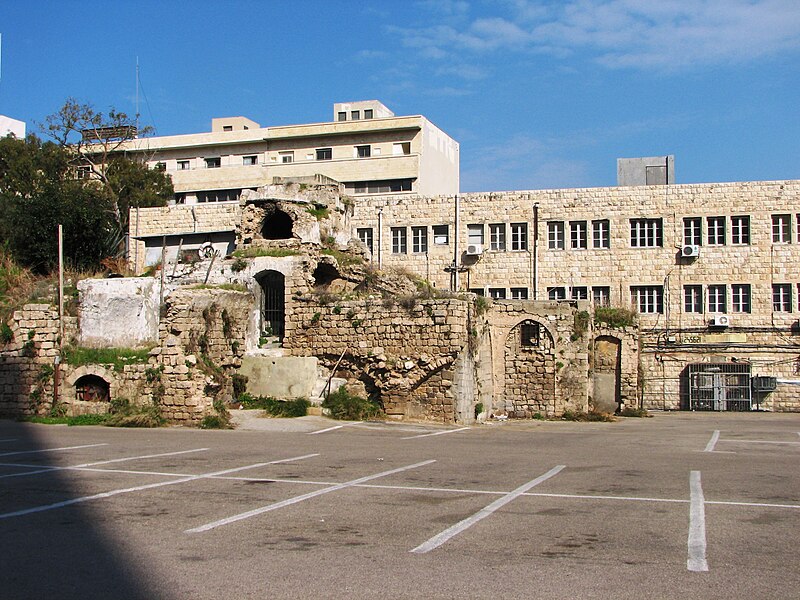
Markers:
{"x": 272, "y": 303}
{"x": 719, "y": 386}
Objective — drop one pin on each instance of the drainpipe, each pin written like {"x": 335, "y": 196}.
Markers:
{"x": 455, "y": 246}
{"x": 535, "y": 250}
{"x": 380, "y": 238}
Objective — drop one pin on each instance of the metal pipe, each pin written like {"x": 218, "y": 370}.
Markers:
{"x": 380, "y": 238}
{"x": 455, "y": 244}
{"x": 535, "y": 250}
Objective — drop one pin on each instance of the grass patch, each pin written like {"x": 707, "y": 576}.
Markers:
{"x": 629, "y": 411}
{"x": 616, "y": 318}
{"x": 591, "y": 416}
{"x": 318, "y": 212}
{"x": 231, "y": 287}
{"x": 343, "y": 258}
{"x": 77, "y": 356}
{"x": 342, "y": 405}
{"x": 100, "y": 419}
{"x": 256, "y": 252}
{"x": 276, "y": 408}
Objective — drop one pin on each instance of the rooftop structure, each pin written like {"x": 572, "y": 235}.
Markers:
{"x": 9, "y": 126}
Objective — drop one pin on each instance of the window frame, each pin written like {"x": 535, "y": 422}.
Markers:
{"x": 716, "y": 230}
{"x": 782, "y": 228}
{"x": 601, "y": 234}
{"x": 555, "y": 235}
{"x": 213, "y": 162}
{"x": 740, "y": 230}
{"x": 782, "y": 298}
{"x": 601, "y": 295}
{"x": 519, "y": 237}
{"x": 648, "y": 299}
{"x": 519, "y": 293}
{"x": 363, "y": 151}
{"x": 419, "y": 239}
{"x": 693, "y": 299}
{"x": 399, "y": 240}
{"x": 437, "y": 235}
{"x": 692, "y": 231}
{"x": 647, "y": 232}
{"x": 497, "y": 237}
{"x": 578, "y": 235}
{"x": 741, "y": 298}
{"x": 557, "y": 293}
{"x": 367, "y": 237}
{"x": 717, "y": 299}
{"x": 323, "y": 153}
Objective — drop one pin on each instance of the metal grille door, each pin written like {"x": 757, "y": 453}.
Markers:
{"x": 272, "y": 303}
{"x": 719, "y": 386}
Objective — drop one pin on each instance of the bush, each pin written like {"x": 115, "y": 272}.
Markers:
{"x": 276, "y": 408}
{"x": 616, "y": 318}
{"x": 630, "y": 411}
{"x": 214, "y": 422}
{"x": 344, "y": 406}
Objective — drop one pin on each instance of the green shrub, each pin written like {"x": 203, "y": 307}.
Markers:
{"x": 478, "y": 409}
{"x": 345, "y": 406}
{"x": 538, "y": 416}
{"x": 214, "y": 422}
{"x": 77, "y": 356}
{"x": 239, "y": 264}
{"x": 318, "y": 212}
{"x": 580, "y": 325}
{"x": 6, "y": 335}
{"x": 630, "y": 411}
{"x": 239, "y": 383}
{"x": 276, "y": 408}
{"x": 273, "y": 252}
{"x": 616, "y": 318}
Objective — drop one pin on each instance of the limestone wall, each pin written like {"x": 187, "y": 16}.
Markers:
{"x": 118, "y": 312}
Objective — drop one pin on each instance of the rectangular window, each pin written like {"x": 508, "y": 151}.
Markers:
{"x": 363, "y": 151}
{"x": 555, "y": 235}
{"x": 578, "y": 235}
{"x": 366, "y": 236}
{"x": 781, "y": 229}
{"x": 401, "y": 148}
{"x": 580, "y": 293}
{"x": 646, "y": 233}
{"x": 519, "y": 293}
{"x": 368, "y": 113}
{"x": 601, "y": 234}
{"x": 213, "y": 163}
{"x": 477, "y": 291}
{"x": 717, "y": 301}
{"x": 380, "y": 186}
{"x": 519, "y": 236}
{"x": 341, "y": 116}
{"x": 740, "y": 229}
{"x": 601, "y": 295}
{"x": 324, "y": 153}
{"x": 529, "y": 334}
{"x": 648, "y": 299}
{"x": 557, "y": 293}
{"x": 183, "y": 165}
{"x": 693, "y": 298}
{"x": 497, "y": 236}
{"x": 475, "y": 235}
{"x": 497, "y": 293}
{"x": 715, "y": 231}
{"x": 355, "y": 115}
{"x": 441, "y": 235}
{"x": 286, "y": 157}
{"x": 218, "y": 196}
{"x": 227, "y": 128}
{"x": 399, "y": 240}
{"x": 782, "y": 297}
{"x": 740, "y": 297}
{"x": 419, "y": 239}
{"x": 692, "y": 231}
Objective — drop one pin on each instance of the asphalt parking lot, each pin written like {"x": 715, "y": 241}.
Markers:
{"x": 677, "y": 506}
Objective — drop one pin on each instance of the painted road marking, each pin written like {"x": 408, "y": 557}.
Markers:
{"x": 35, "y": 509}
{"x": 697, "y": 526}
{"x": 760, "y": 442}
{"x": 712, "y": 442}
{"x": 40, "y": 469}
{"x": 413, "y": 437}
{"x": 301, "y": 498}
{"x": 51, "y": 449}
{"x": 453, "y": 531}
{"x": 332, "y": 428}
{"x": 9, "y": 440}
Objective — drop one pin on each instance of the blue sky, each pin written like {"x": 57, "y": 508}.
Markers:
{"x": 540, "y": 94}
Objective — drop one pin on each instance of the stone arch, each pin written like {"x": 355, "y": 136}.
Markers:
{"x": 606, "y": 365}
{"x": 277, "y": 225}
{"x": 272, "y": 301}
{"x": 90, "y": 389}
{"x": 530, "y": 370}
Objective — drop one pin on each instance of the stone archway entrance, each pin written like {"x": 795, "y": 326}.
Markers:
{"x": 530, "y": 381}
{"x": 92, "y": 388}
{"x": 606, "y": 363}
{"x": 273, "y": 308}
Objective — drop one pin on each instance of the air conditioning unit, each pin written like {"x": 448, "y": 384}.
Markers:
{"x": 474, "y": 250}
{"x": 690, "y": 251}
{"x": 721, "y": 321}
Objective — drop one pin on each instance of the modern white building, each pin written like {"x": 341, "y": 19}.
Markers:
{"x": 9, "y": 126}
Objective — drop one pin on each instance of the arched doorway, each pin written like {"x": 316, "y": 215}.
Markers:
{"x": 277, "y": 225}
{"x": 530, "y": 382}
{"x": 606, "y": 369}
{"x": 273, "y": 314}
{"x": 92, "y": 388}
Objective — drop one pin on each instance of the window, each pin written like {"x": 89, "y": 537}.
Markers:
{"x": 557, "y": 293}
{"x": 601, "y": 234}
{"x": 646, "y": 233}
{"x": 341, "y": 116}
{"x": 519, "y": 236}
{"x": 781, "y": 229}
{"x": 227, "y": 128}
{"x": 715, "y": 232}
{"x": 83, "y": 172}
{"x": 475, "y": 235}
{"x": 218, "y": 196}
{"x": 355, "y": 115}
{"x": 324, "y": 153}
{"x": 183, "y": 165}
{"x": 381, "y": 186}
{"x": 213, "y": 163}
{"x": 399, "y": 240}
{"x": 648, "y": 298}
{"x": 578, "y": 235}
{"x": 441, "y": 235}
{"x": 368, "y": 113}
{"x": 476, "y": 291}
{"x": 519, "y": 293}
{"x": 180, "y": 198}
{"x": 740, "y": 297}
{"x": 693, "y": 298}
{"x": 401, "y": 148}
{"x": 363, "y": 152}
{"x": 717, "y": 302}
{"x": 601, "y": 295}
{"x": 529, "y": 334}
{"x": 419, "y": 239}
{"x": 693, "y": 231}
{"x": 555, "y": 235}
{"x": 287, "y": 157}
{"x": 249, "y": 161}
{"x": 366, "y": 236}
{"x": 740, "y": 229}
{"x": 580, "y": 293}
{"x": 782, "y": 297}
{"x": 497, "y": 236}
{"x": 497, "y": 293}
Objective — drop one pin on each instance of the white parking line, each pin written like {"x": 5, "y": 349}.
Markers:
{"x": 40, "y": 469}
{"x": 9, "y": 440}
{"x": 697, "y": 526}
{"x": 332, "y": 428}
{"x": 712, "y": 442}
{"x": 35, "y": 509}
{"x": 453, "y": 531}
{"x": 760, "y": 442}
{"x": 413, "y": 437}
{"x": 51, "y": 449}
{"x": 308, "y": 496}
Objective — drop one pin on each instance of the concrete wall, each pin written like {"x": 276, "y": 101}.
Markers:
{"x": 118, "y": 312}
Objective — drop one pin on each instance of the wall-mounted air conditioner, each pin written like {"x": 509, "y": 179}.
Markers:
{"x": 690, "y": 251}
{"x": 474, "y": 250}
{"x": 721, "y": 321}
